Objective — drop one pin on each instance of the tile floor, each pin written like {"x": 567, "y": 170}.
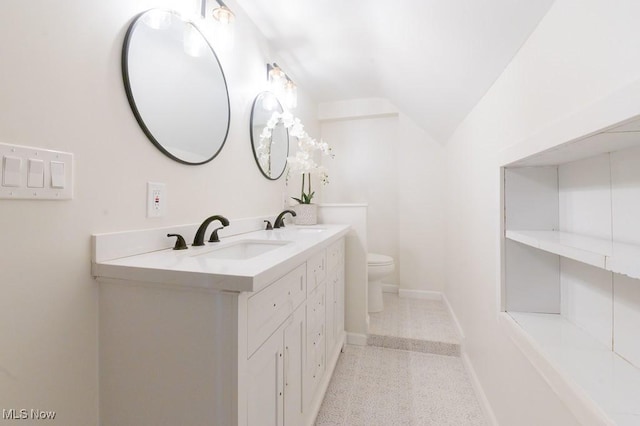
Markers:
{"x": 414, "y": 324}
{"x": 380, "y": 386}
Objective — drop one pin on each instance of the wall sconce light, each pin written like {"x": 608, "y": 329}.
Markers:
{"x": 223, "y": 14}
{"x": 290, "y": 94}
{"x": 218, "y": 30}
{"x": 282, "y": 86}
{"x": 223, "y": 24}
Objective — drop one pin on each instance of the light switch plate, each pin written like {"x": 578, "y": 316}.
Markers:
{"x": 27, "y": 174}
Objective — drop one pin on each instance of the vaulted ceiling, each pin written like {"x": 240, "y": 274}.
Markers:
{"x": 433, "y": 59}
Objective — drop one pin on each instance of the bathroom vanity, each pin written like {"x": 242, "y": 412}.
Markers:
{"x": 242, "y": 332}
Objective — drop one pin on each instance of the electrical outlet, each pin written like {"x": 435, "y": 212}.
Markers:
{"x": 156, "y": 199}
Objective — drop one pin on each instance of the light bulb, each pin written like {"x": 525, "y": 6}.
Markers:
{"x": 224, "y": 15}
{"x": 290, "y": 94}
{"x": 277, "y": 81}
{"x": 222, "y": 28}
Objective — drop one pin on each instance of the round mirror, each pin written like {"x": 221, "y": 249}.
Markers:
{"x": 176, "y": 87}
{"x": 269, "y": 137}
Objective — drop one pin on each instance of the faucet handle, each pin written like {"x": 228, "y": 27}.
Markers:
{"x": 180, "y": 242}
{"x": 269, "y": 225}
{"x": 214, "y": 235}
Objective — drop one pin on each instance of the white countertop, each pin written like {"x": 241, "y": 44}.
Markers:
{"x": 192, "y": 268}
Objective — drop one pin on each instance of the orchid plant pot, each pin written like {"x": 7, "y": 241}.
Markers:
{"x": 306, "y": 214}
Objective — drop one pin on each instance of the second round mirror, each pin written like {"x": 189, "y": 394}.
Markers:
{"x": 269, "y": 138}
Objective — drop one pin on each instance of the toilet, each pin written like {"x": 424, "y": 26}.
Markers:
{"x": 379, "y": 267}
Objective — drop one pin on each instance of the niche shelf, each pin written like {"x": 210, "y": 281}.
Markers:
{"x": 612, "y": 256}
{"x": 571, "y": 270}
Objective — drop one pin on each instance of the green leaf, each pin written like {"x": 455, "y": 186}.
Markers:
{"x": 309, "y": 197}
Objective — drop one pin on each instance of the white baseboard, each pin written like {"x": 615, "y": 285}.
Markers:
{"x": 357, "y": 339}
{"x": 420, "y": 294}
{"x": 475, "y": 382}
{"x": 389, "y": 288}
{"x": 477, "y": 388}
{"x": 454, "y": 318}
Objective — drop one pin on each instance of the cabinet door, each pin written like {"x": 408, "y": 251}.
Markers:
{"x": 265, "y": 395}
{"x": 338, "y": 301}
{"x": 330, "y": 314}
{"x": 315, "y": 343}
{"x": 294, "y": 345}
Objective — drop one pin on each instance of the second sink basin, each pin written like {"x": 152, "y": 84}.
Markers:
{"x": 244, "y": 249}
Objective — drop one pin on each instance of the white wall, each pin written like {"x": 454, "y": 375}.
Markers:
{"x": 62, "y": 89}
{"x": 421, "y": 210}
{"x": 582, "y": 52}
{"x": 364, "y": 170}
{"x": 384, "y": 159}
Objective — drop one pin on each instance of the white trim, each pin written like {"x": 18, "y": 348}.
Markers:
{"x": 357, "y": 339}
{"x": 420, "y": 294}
{"x": 389, "y": 288}
{"x": 455, "y": 320}
{"x": 354, "y": 109}
{"x": 466, "y": 362}
{"x": 479, "y": 391}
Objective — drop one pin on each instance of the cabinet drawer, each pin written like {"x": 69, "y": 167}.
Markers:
{"x": 335, "y": 255}
{"x": 316, "y": 270}
{"x": 268, "y": 308}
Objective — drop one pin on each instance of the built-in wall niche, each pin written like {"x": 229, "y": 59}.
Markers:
{"x": 571, "y": 268}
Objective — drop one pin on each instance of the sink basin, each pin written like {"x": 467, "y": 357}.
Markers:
{"x": 245, "y": 249}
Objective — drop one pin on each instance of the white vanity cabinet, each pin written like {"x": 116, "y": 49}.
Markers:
{"x": 178, "y": 354}
{"x": 571, "y": 270}
{"x": 275, "y": 376}
{"x": 275, "y": 335}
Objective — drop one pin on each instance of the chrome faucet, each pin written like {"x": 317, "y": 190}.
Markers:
{"x": 199, "y": 239}
{"x": 279, "y": 223}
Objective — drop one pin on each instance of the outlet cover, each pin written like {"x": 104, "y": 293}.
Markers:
{"x": 156, "y": 199}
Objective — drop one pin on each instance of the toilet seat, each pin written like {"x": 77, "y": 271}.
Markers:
{"x": 375, "y": 259}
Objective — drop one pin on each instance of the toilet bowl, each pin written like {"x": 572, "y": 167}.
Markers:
{"x": 379, "y": 267}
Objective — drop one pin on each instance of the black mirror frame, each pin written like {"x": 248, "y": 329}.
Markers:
{"x": 253, "y": 142}
{"x": 134, "y": 108}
